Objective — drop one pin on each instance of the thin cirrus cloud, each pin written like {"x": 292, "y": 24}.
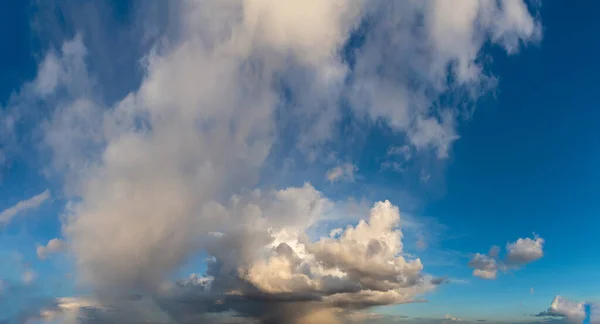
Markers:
{"x": 22, "y": 206}
{"x": 151, "y": 177}
{"x": 343, "y": 172}
{"x": 518, "y": 254}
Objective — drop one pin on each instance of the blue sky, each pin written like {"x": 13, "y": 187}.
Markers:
{"x": 502, "y": 152}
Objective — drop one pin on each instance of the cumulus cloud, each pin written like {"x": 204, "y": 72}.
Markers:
{"x": 341, "y": 172}
{"x": 23, "y": 206}
{"x": 485, "y": 267}
{"x": 54, "y": 245}
{"x": 525, "y": 250}
{"x": 518, "y": 254}
{"x": 152, "y": 178}
{"x": 574, "y": 312}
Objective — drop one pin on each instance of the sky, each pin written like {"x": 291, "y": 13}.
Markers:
{"x": 298, "y": 162}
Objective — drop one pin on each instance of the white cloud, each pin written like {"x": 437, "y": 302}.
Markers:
{"x": 360, "y": 266}
{"x": 525, "y": 250}
{"x": 519, "y": 253}
{"x": 54, "y": 245}
{"x": 23, "y": 206}
{"x": 452, "y": 318}
{"x": 574, "y": 312}
{"x": 341, "y": 172}
{"x": 484, "y": 266}
{"x": 453, "y": 36}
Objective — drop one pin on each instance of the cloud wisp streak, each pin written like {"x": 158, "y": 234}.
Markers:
{"x": 23, "y": 206}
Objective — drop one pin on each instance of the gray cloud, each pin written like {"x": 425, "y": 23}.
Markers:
{"x": 54, "y": 245}
{"x": 518, "y": 254}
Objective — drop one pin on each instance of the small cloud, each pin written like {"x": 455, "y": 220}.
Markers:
{"x": 485, "y": 267}
{"x": 525, "y": 250}
{"x": 55, "y": 245}
{"x": 424, "y": 177}
{"x": 452, "y": 318}
{"x": 519, "y": 253}
{"x": 421, "y": 243}
{"x": 22, "y": 206}
{"x": 531, "y": 291}
{"x": 28, "y": 276}
{"x": 342, "y": 172}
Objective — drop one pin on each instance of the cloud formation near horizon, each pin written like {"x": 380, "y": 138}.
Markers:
{"x": 169, "y": 170}
{"x": 586, "y": 313}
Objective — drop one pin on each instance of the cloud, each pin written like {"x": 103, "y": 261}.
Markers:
{"x": 519, "y": 253}
{"x": 23, "y": 206}
{"x": 452, "y": 318}
{"x": 525, "y": 250}
{"x": 341, "y": 172}
{"x": 453, "y": 37}
{"x": 485, "y": 267}
{"x": 28, "y": 276}
{"x": 54, "y": 245}
{"x": 574, "y": 312}
{"x": 151, "y": 177}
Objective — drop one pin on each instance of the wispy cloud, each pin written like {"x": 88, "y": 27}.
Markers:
{"x": 342, "y": 172}
{"x": 23, "y": 206}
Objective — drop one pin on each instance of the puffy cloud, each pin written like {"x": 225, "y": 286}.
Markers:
{"x": 525, "y": 250}
{"x": 266, "y": 268}
{"x": 54, "y": 245}
{"x": 23, "y": 205}
{"x": 485, "y": 267}
{"x": 574, "y": 312}
{"x": 518, "y": 253}
{"x": 341, "y": 172}
{"x": 360, "y": 267}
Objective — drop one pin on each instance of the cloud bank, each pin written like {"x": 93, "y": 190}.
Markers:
{"x": 167, "y": 171}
